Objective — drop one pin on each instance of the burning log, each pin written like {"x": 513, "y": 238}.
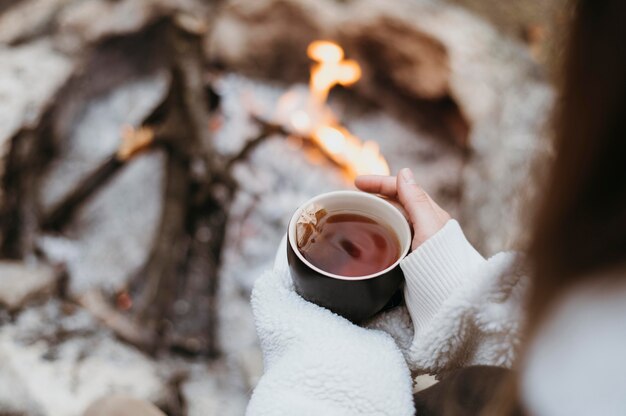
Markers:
{"x": 310, "y": 117}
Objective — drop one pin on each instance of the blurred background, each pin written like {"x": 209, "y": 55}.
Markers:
{"x": 152, "y": 152}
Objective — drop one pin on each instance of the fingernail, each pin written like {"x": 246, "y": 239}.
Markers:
{"x": 407, "y": 176}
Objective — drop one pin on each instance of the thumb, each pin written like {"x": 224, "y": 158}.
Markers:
{"x": 412, "y": 197}
{"x": 425, "y": 215}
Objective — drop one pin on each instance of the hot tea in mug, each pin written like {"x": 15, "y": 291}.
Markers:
{"x": 350, "y": 243}
{"x": 344, "y": 249}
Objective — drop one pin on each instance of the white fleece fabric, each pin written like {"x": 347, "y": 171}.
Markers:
{"x": 461, "y": 310}
{"x": 465, "y": 310}
{"x": 318, "y": 363}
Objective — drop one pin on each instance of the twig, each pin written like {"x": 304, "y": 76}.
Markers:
{"x": 132, "y": 142}
{"x": 58, "y": 216}
{"x": 267, "y": 129}
{"x": 117, "y": 322}
{"x": 273, "y": 128}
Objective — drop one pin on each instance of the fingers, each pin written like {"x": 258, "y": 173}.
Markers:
{"x": 376, "y": 184}
{"x": 425, "y": 216}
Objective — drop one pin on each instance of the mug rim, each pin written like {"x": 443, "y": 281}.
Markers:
{"x": 358, "y": 194}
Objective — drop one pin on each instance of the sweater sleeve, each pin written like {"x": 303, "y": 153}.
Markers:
{"x": 435, "y": 270}
{"x": 465, "y": 309}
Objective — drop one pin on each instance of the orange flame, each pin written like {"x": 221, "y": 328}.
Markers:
{"x": 314, "y": 118}
{"x": 347, "y": 150}
{"x": 133, "y": 141}
{"x": 331, "y": 69}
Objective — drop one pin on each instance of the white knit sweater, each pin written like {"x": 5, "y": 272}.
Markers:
{"x": 460, "y": 310}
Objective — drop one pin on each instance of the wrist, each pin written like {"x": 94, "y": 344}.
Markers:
{"x": 435, "y": 269}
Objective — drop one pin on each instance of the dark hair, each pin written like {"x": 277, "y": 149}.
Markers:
{"x": 581, "y": 223}
{"x": 580, "y": 226}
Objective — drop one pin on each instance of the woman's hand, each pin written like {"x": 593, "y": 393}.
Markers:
{"x": 425, "y": 216}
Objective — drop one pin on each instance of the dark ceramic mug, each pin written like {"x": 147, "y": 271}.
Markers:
{"x": 356, "y": 298}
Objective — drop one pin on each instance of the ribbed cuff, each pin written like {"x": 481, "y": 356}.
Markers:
{"x": 435, "y": 269}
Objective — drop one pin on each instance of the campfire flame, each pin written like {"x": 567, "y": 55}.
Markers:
{"x": 311, "y": 117}
{"x": 330, "y": 69}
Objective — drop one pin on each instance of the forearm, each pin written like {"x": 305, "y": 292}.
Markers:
{"x": 435, "y": 270}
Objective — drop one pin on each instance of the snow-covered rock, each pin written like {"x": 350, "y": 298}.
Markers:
{"x": 21, "y": 282}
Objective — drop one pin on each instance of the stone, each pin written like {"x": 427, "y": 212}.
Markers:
{"x": 250, "y": 361}
{"x": 122, "y": 405}
{"x": 74, "y": 19}
{"x": 424, "y": 381}
{"x": 24, "y": 92}
{"x": 28, "y": 19}
{"x": 21, "y": 283}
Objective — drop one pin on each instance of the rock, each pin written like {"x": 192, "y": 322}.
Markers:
{"x": 28, "y": 19}
{"x": 273, "y": 32}
{"x": 60, "y": 362}
{"x": 74, "y": 19}
{"x": 21, "y": 283}
{"x": 76, "y": 28}
{"x": 251, "y": 363}
{"x": 119, "y": 17}
{"x": 24, "y": 92}
{"x": 122, "y": 405}
{"x": 507, "y": 101}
